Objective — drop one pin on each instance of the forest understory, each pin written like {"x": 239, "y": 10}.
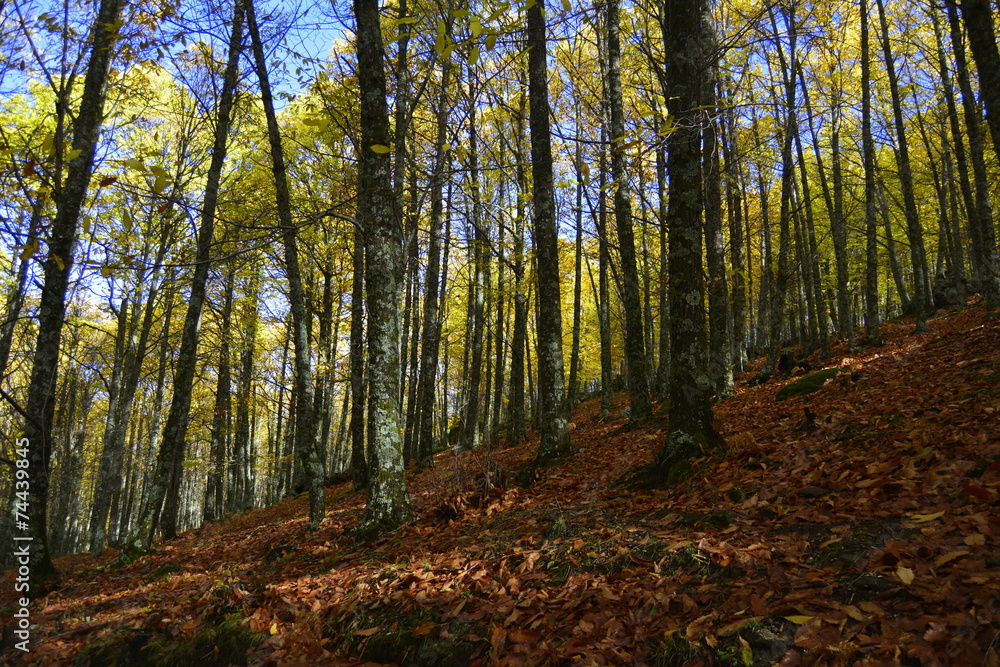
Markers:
{"x": 856, "y": 525}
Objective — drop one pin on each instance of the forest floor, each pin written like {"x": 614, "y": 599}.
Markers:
{"x": 866, "y": 534}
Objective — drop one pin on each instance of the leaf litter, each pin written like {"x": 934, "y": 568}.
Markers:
{"x": 856, "y": 525}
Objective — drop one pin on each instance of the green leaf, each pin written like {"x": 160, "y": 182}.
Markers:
{"x": 160, "y": 184}
{"x": 380, "y": 149}
{"x": 72, "y": 154}
{"x": 566, "y": 5}
{"x": 491, "y": 41}
{"x": 136, "y": 165}
{"x": 474, "y": 55}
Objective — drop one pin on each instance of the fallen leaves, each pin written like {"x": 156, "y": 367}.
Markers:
{"x": 866, "y": 540}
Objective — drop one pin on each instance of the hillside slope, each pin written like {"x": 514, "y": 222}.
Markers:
{"x": 857, "y": 525}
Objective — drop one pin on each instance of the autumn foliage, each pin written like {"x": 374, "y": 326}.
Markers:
{"x": 856, "y": 525}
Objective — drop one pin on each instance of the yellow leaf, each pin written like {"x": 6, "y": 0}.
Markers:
{"x": 566, "y": 5}
{"x": 799, "y": 620}
{"x": 159, "y": 184}
{"x": 585, "y": 170}
{"x": 274, "y": 628}
{"x": 135, "y": 164}
{"x": 380, "y": 149}
{"x": 29, "y": 250}
{"x": 926, "y": 517}
{"x": 905, "y": 574}
{"x": 474, "y": 55}
{"x": 59, "y": 262}
{"x": 667, "y": 127}
{"x": 72, "y": 154}
{"x": 105, "y": 272}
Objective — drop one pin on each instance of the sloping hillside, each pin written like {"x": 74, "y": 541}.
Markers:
{"x": 856, "y": 525}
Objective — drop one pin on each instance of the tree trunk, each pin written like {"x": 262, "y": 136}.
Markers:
{"x": 923, "y": 304}
{"x": 872, "y": 336}
{"x": 692, "y": 430}
{"x": 635, "y": 354}
{"x": 981, "y": 229}
{"x": 40, "y": 403}
{"x": 388, "y": 504}
{"x": 305, "y": 431}
{"x": 432, "y": 326}
{"x": 554, "y": 432}
{"x": 171, "y": 446}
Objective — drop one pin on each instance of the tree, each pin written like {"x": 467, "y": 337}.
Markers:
{"x": 306, "y": 430}
{"x": 692, "y": 431}
{"x": 551, "y": 397}
{"x": 638, "y": 381}
{"x": 171, "y": 445}
{"x": 388, "y": 500}
{"x": 40, "y": 404}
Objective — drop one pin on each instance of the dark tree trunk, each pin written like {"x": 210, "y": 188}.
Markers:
{"x": 692, "y": 430}
{"x": 171, "y": 447}
{"x": 872, "y": 336}
{"x": 552, "y": 416}
{"x": 432, "y": 326}
{"x": 306, "y": 428}
{"x": 40, "y": 403}
{"x": 635, "y": 354}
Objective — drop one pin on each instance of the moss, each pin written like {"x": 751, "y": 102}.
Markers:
{"x": 807, "y": 384}
{"x": 225, "y": 643}
{"x": 398, "y": 642}
{"x": 673, "y": 651}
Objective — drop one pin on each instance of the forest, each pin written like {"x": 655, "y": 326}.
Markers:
{"x": 382, "y": 270}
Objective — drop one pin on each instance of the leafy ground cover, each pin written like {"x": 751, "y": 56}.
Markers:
{"x": 855, "y": 525}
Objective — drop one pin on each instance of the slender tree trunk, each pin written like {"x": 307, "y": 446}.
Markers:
{"x": 171, "y": 446}
{"x": 719, "y": 344}
{"x": 635, "y": 353}
{"x": 574, "y": 364}
{"x": 305, "y": 431}
{"x": 215, "y": 488}
{"x": 359, "y": 457}
{"x": 923, "y": 304}
{"x": 31, "y": 525}
{"x": 554, "y": 432}
{"x": 981, "y": 229}
{"x": 519, "y": 337}
{"x": 872, "y": 336}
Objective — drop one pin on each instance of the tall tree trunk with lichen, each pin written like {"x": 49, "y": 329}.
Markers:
{"x": 692, "y": 429}
{"x": 635, "y": 354}
{"x": 388, "y": 505}
{"x": 306, "y": 427}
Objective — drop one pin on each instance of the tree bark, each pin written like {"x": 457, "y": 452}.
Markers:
{"x": 40, "y": 403}
{"x": 692, "y": 430}
{"x": 552, "y": 415}
{"x": 305, "y": 430}
{"x": 171, "y": 446}
{"x": 635, "y": 354}
{"x": 388, "y": 504}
